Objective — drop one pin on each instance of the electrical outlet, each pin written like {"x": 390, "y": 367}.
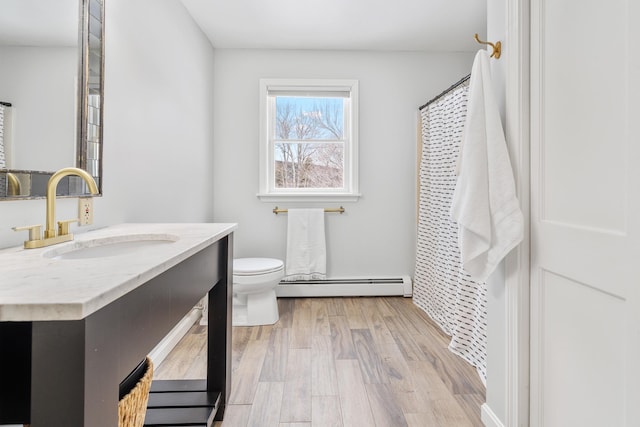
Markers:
{"x": 85, "y": 210}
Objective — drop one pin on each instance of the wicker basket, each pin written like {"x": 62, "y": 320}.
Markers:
{"x": 133, "y": 407}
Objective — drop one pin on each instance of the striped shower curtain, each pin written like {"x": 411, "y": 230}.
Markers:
{"x": 441, "y": 287}
{"x": 3, "y": 164}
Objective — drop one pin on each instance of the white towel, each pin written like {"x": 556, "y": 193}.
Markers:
{"x": 306, "y": 246}
{"x": 490, "y": 222}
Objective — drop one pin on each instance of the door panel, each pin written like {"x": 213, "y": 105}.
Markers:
{"x": 584, "y": 72}
{"x": 585, "y": 213}
{"x": 582, "y": 329}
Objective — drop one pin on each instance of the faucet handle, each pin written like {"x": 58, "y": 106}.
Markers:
{"x": 35, "y": 231}
{"x": 63, "y": 226}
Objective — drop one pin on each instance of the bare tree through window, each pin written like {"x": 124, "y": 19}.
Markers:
{"x": 309, "y": 142}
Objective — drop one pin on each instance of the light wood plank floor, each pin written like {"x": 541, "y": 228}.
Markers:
{"x": 340, "y": 362}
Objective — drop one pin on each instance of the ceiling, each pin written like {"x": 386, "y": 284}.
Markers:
{"x": 399, "y": 25}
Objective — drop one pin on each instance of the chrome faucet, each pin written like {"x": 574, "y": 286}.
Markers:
{"x": 52, "y": 235}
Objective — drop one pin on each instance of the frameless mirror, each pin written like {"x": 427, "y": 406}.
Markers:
{"x": 51, "y": 94}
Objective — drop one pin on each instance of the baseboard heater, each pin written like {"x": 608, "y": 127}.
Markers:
{"x": 401, "y": 286}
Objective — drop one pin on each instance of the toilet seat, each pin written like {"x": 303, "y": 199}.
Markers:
{"x": 256, "y": 266}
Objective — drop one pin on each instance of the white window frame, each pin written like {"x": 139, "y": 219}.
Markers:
{"x": 268, "y": 191}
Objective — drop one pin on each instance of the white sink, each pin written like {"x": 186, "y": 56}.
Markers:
{"x": 110, "y": 246}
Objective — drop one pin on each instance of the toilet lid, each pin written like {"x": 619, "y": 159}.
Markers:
{"x": 253, "y": 266}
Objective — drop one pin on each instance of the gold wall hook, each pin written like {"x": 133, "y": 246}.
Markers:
{"x": 497, "y": 48}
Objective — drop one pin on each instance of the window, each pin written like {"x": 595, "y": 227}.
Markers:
{"x": 308, "y": 140}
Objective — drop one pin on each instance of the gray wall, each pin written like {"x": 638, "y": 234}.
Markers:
{"x": 376, "y": 235}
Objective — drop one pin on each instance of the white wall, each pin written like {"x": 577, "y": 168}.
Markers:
{"x": 158, "y": 128}
{"x": 40, "y": 83}
{"x": 376, "y": 235}
{"x": 158, "y": 108}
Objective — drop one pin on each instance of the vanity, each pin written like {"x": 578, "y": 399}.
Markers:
{"x": 77, "y": 318}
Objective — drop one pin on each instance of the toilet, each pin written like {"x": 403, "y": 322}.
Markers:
{"x": 254, "y": 291}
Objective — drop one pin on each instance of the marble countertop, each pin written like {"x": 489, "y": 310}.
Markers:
{"x": 36, "y": 288}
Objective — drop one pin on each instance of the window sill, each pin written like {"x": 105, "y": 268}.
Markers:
{"x": 308, "y": 197}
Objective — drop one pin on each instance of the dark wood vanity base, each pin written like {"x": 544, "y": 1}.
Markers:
{"x": 77, "y": 365}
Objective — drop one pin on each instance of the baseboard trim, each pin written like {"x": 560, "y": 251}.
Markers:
{"x": 335, "y": 288}
{"x": 489, "y": 418}
{"x": 164, "y": 347}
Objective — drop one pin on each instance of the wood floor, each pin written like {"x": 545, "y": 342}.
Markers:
{"x": 340, "y": 362}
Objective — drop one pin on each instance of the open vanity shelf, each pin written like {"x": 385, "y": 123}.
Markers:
{"x": 181, "y": 403}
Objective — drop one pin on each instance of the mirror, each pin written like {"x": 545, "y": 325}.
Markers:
{"x": 51, "y": 94}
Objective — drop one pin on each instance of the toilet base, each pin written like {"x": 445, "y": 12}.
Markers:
{"x": 255, "y": 309}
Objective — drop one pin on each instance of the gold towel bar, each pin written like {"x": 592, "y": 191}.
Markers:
{"x": 497, "y": 48}
{"x": 339, "y": 210}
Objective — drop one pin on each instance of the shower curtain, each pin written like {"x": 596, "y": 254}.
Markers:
{"x": 3, "y": 164}
{"x": 441, "y": 287}
{"x": 2, "y": 159}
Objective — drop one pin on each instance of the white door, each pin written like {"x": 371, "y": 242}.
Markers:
{"x": 585, "y": 213}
